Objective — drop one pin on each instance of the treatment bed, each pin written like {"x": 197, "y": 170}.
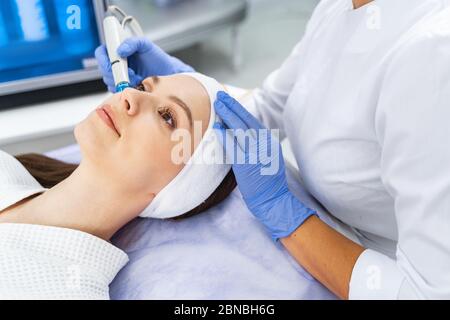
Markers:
{"x": 223, "y": 253}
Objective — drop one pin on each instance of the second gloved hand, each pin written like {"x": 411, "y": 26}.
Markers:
{"x": 259, "y": 168}
{"x": 145, "y": 60}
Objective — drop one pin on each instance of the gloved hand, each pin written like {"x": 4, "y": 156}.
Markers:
{"x": 261, "y": 176}
{"x": 145, "y": 59}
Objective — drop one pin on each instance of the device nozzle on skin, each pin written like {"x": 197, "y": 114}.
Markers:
{"x": 122, "y": 86}
{"x": 117, "y": 26}
{"x": 114, "y": 36}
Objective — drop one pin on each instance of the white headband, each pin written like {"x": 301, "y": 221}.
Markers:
{"x": 202, "y": 174}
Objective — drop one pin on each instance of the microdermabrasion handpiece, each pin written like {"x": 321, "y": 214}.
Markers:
{"x": 115, "y": 34}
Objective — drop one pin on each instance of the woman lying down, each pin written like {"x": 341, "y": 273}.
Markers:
{"x": 56, "y": 219}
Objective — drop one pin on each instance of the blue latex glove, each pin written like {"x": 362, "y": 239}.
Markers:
{"x": 266, "y": 195}
{"x": 145, "y": 59}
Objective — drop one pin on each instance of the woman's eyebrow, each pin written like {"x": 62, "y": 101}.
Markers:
{"x": 183, "y": 106}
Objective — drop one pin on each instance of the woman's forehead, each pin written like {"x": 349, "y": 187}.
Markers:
{"x": 184, "y": 84}
{"x": 190, "y": 91}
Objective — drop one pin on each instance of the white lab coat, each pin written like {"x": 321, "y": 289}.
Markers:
{"x": 365, "y": 102}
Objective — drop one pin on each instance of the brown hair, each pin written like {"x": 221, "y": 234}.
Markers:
{"x": 50, "y": 172}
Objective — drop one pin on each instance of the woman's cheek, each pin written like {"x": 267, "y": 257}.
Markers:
{"x": 162, "y": 165}
{"x": 147, "y": 153}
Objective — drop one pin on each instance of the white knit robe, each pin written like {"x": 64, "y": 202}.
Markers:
{"x": 40, "y": 262}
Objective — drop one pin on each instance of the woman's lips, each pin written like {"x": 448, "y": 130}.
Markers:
{"x": 106, "y": 115}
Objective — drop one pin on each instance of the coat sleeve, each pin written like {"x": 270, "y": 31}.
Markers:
{"x": 413, "y": 128}
{"x": 48, "y": 263}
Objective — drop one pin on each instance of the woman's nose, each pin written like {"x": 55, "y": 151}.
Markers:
{"x": 130, "y": 102}
{"x": 136, "y": 102}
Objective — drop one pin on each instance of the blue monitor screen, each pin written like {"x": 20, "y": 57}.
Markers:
{"x": 44, "y": 37}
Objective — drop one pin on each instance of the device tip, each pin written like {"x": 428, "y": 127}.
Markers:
{"x": 122, "y": 86}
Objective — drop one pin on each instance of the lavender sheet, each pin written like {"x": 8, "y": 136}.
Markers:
{"x": 221, "y": 254}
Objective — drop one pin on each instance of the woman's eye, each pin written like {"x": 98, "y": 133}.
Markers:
{"x": 140, "y": 87}
{"x": 167, "y": 116}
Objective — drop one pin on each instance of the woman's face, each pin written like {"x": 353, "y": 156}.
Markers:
{"x": 138, "y": 154}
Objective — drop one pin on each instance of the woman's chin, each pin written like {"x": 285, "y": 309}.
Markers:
{"x": 90, "y": 140}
